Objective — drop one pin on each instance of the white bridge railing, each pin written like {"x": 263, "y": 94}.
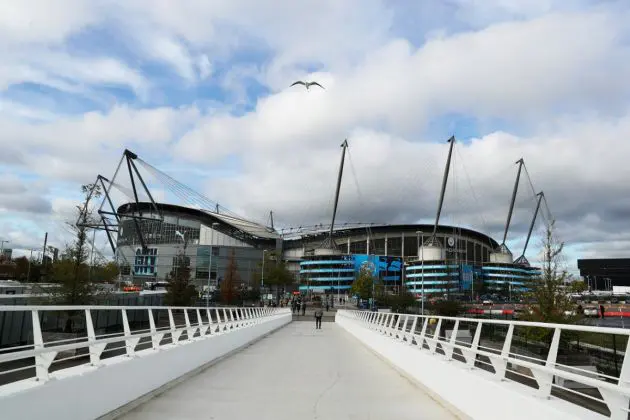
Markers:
{"x": 62, "y": 337}
{"x": 583, "y": 365}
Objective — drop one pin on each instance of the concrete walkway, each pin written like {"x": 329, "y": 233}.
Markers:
{"x": 297, "y": 373}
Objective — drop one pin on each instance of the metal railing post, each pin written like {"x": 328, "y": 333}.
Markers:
{"x": 42, "y": 360}
{"x": 412, "y": 331}
{"x": 156, "y": 338}
{"x": 175, "y": 333}
{"x": 545, "y": 378}
{"x": 452, "y": 341}
{"x": 95, "y": 349}
{"x": 190, "y": 329}
{"x": 436, "y": 337}
{"x": 130, "y": 343}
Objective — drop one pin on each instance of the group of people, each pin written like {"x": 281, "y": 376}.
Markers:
{"x": 297, "y": 306}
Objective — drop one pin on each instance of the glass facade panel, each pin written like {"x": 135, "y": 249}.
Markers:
{"x": 394, "y": 246}
{"x": 202, "y": 268}
{"x": 411, "y": 245}
{"x": 358, "y": 247}
{"x": 155, "y": 232}
{"x": 377, "y": 247}
{"x": 145, "y": 262}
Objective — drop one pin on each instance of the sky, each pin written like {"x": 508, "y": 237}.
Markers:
{"x": 200, "y": 90}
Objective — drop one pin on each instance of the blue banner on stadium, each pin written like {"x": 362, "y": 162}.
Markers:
{"x": 466, "y": 276}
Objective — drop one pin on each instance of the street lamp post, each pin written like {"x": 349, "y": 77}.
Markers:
{"x": 422, "y": 267}
{"x": 28, "y": 273}
{"x": 212, "y": 226}
{"x": 262, "y": 273}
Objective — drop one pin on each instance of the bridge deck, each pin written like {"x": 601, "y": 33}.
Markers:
{"x": 297, "y": 373}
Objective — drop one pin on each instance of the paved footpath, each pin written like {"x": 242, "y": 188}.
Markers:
{"x": 297, "y": 373}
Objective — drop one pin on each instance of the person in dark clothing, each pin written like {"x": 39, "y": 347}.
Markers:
{"x": 602, "y": 310}
{"x": 303, "y": 308}
{"x": 327, "y": 306}
{"x": 318, "y": 318}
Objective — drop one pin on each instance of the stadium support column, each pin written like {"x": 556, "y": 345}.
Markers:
{"x": 522, "y": 259}
{"x": 443, "y": 190}
{"x": 402, "y": 245}
{"x": 386, "y": 254}
{"x": 520, "y": 163}
{"x": 344, "y": 146}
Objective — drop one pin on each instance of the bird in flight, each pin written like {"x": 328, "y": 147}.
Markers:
{"x": 307, "y": 85}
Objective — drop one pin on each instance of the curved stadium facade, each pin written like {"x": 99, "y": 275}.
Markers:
{"x": 391, "y": 252}
{"x": 394, "y": 255}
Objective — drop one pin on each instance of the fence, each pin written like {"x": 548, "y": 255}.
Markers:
{"x": 62, "y": 337}
{"x": 582, "y": 365}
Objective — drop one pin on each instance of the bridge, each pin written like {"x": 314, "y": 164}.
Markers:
{"x": 97, "y": 362}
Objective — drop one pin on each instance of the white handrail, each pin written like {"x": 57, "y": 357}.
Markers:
{"x": 546, "y": 372}
{"x": 209, "y": 321}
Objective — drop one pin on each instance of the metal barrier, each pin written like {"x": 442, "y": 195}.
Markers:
{"x": 63, "y": 337}
{"x": 579, "y": 364}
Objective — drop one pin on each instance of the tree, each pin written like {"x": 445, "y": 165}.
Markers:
{"x": 249, "y": 295}
{"x": 276, "y": 273}
{"x": 551, "y": 303}
{"x": 73, "y": 273}
{"x": 366, "y": 285}
{"x": 447, "y": 308}
{"x": 578, "y": 286}
{"x": 179, "y": 291}
{"x": 400, "y": 302}
{"x": 229, "y": 292}
{"x": 104, "y": 271}
{"x": 21, "y": 268}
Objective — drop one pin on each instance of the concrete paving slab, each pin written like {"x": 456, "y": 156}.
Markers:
{"x": 297, "y": 373}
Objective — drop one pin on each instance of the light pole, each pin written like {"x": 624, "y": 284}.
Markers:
{"x": 212, "y": 227}
{"x": 421, "y": 255}
{"x": 262, "y": 272}
{"x": 28, "y": 273}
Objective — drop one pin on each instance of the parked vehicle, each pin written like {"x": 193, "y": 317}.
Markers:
{"x": 591, "y": 311}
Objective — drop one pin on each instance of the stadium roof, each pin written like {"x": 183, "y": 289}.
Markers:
{"x": 253, "y": 228}
{"x": 250, "y": 229}
{"x": 253, "y": 231}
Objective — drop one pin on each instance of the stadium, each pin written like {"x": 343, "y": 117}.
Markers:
{"x": 430, "y": 260}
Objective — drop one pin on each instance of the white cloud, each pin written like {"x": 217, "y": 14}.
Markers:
{"x": 205, "y": 66}
{"x": 77, "y": 148}
{"x": 553, "y": 76}
{"x": 494, "y": 73}
{"x": 42, "y": 22}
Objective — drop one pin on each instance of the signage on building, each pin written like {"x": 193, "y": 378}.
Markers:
{"x": 466, "y": 276}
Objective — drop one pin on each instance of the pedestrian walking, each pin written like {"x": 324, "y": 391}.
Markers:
{"x": 318, "y": 318}
{"x": 303, "y": 308}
